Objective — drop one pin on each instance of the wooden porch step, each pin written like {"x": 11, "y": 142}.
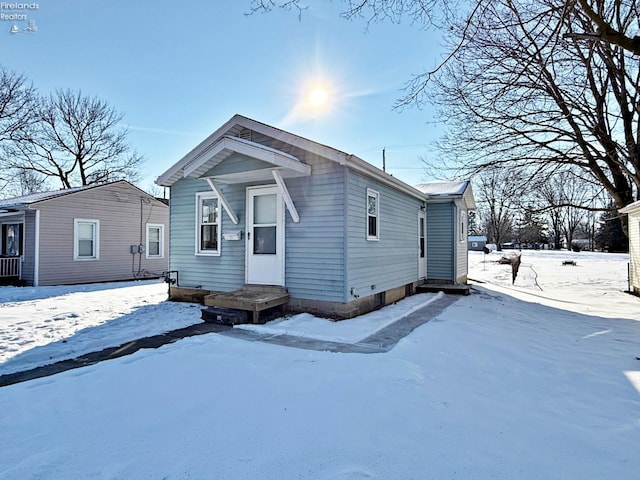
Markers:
{"x": 452, "y": 288}
{"x": 255, "y": 299}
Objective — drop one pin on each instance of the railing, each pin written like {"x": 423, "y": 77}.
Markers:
{"x": 10, "y": 267}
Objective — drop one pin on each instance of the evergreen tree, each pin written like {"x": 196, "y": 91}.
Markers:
{"x": 611, "y": 236}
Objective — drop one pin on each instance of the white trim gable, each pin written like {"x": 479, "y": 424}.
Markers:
{"x": 229, "y": 145}
{"x": 211, "y": 152}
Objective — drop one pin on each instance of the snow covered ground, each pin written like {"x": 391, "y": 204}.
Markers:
{"x": 532, "y": 380}
{"x": 42, "y": 325}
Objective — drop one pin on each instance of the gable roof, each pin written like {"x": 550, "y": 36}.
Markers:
{"x": 449, "y": 189}
{"x": 25, "y": 201}
{"x": 209, "y": 151}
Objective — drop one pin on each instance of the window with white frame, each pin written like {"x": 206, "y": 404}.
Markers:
{"x": 86, "y": 239}
{"x": 155, "y": 240}
{"x": 207, "y": 224}
{"x": 373, "y": 215}
{"x": 463, "y": 225}
{"x": 12, "y": 234}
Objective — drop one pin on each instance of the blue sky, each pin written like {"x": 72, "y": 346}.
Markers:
{"x": 178, "y": 70}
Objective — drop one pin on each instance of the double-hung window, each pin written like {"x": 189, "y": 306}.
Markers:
{"x": 12, "y": 239}
{"x": 207, "y": 224}
{"x": 86, "y": 239}
{"x": 155, "y": 240}
{"x": 373, "y": 215}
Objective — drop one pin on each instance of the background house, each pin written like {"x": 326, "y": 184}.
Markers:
{"x": 633, "y": 211}
{"x": 253, "y": 204}
{"x": 97, "y": 233}
{"x": 476, "y": 242}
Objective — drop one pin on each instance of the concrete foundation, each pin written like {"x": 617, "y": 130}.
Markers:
{"x": 354, "y": 308}
{"x": 322, "y": 308}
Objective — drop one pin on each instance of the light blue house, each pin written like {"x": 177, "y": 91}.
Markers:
{"x": 255, "y": 205}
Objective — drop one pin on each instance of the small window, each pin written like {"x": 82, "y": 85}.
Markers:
{"x": 207, "y": 224}
{"x": 421, "y": 236}
{"x": 463, "y": 226}
{"x": 155, "y": 241}
{"x": 373, "y": 215}
{"x": 12, "y": 239}
{"x": 86, "y": 234}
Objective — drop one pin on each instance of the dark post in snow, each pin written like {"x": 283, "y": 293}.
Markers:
{"x": 515, "y": 265}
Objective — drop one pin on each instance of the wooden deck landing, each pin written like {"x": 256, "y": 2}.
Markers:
{"x": 250, "y": 298}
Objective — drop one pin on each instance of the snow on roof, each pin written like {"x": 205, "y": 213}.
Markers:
{"x": 631, "y": 208}
{"x": 443, "y": 187}
{"x": 25, "y": 200}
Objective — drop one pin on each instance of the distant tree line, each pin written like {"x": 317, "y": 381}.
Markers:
{"x": 564, "y": 212}
{"x": 61, "y": 139}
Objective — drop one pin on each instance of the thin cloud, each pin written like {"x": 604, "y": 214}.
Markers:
{"x": 162, "y": 131}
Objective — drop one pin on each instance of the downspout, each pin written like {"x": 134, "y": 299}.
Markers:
{"x": 349, "y": 293}
{"x": 36, "y": 253}
{"x": 455, "y": 233}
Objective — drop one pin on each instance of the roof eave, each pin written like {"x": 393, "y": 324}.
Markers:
{"x": 362, "y": 166}
{"x": 631, "y": 208}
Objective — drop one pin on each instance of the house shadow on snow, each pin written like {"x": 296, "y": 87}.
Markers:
{"x": 112, "y": 333}
{"x": 11, "y": 293}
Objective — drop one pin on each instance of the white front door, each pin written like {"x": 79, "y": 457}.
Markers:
{"x": 422, "y": 246}
{"x": 265, "y": 236}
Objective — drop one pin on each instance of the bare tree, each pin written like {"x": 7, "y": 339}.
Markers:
{"x": 567, "y": 200}
{"x": 603, "y": 30}
{"x": 441, "y": 14}
{"x": 76, "y": 140}
{"x": 519, "y": 98}
{"x": 17, "y": 98}
{"x": 497, "y": 193}
{"x": 535, "y": 85}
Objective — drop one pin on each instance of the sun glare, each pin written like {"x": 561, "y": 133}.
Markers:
{"x": 318, "y": 96}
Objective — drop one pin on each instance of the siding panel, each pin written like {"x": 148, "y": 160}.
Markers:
{"x": 313, "y": 247}
{"x": 122, "y": 214}
{"x": 462, "y": 248}
{"x": 634, "y": 250}
{"x": 28, "y": 264}
{"x": 440, "y": 241}
{"x": 218, "y": 273}
{"x": 392, "y": 261}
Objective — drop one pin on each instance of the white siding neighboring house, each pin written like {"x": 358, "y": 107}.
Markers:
{"x": 107, "y": 232}
{"x": 633, "y": 210}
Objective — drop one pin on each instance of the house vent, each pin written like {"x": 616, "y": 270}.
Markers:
{"x": 245, "y": 134}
